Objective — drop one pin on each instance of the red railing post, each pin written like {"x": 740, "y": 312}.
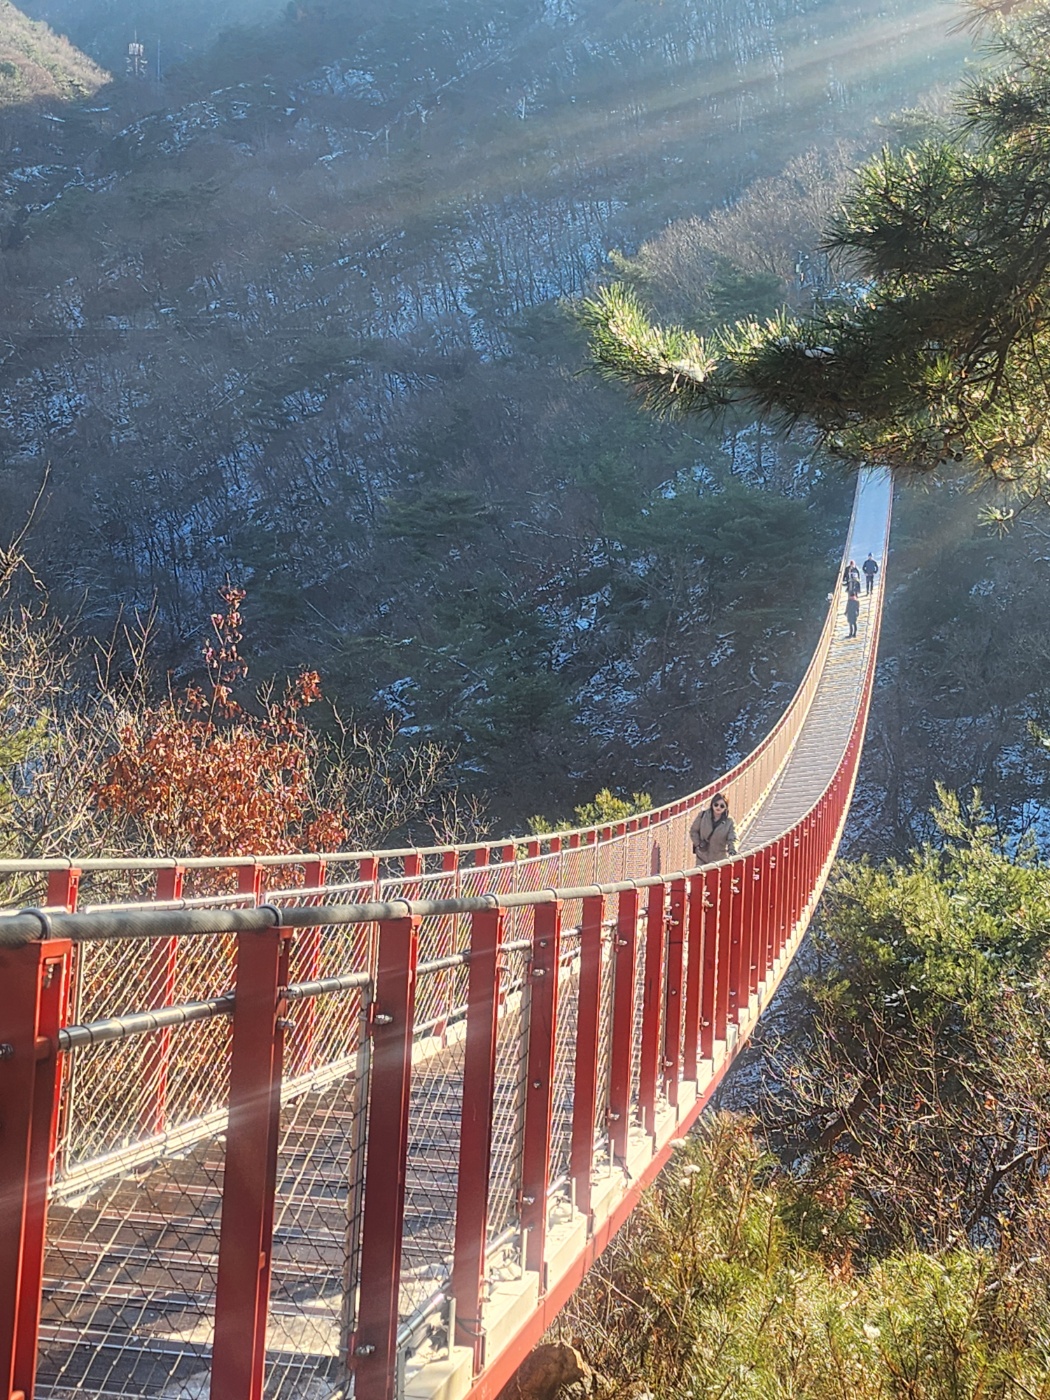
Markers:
{"x": 621, "y": 1049}
{"x": 739, "y": 969}
{"x": 249, "y": 881}
{"x": 160, "y": 988}
{"x": 772, "y": 883}
{"x": 709, "y": 978}
{"x": 539, "y": 1092}
{"x": 373, "y": 1358}
{"x": 368, "y": 873}
{"x": 32, "y": 1010}
{"x": 249, "y": 1180}
{"x": 673, "y": 1010}
{"x": 796, "y": 879}
{"x": 475, "y": 1130}
{"x": 590, "y": 872}
{"x": 63, "y": 889}
{"x": 308, "y": 969}
{"x": 652, "y": 1005}
{"x": 785, "y": 892}
{"x": 447, "y": 924}
{"x": 754, "y": 924}
{"x": 726, "y": 912}
{"x": 694, "y": 962}
{"x": 63, "y": 892}
{"x": 805, "y": 855}
{"x": 412, "y": 870}
{"x": 585, "y": 1093}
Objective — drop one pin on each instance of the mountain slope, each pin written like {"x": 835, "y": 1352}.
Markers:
{"x": 37, "y": 65}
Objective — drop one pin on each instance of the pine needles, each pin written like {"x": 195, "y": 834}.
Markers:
{"x": 935, "y": 353}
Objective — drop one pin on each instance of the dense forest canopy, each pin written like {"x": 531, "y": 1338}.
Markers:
{"x": 287, "y": 306}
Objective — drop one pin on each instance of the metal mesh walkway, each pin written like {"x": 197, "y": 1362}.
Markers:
{"x": 820, "y": 744}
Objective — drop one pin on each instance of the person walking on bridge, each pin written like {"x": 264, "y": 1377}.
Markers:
{"x": 853, "y": 612}
{"x": 869, "y": 569}
{"x": 713, "y": 834}
{"x": 851, "y": 578}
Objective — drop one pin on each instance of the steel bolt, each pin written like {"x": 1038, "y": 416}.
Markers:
{"x": 364, "y": 1349}
{"x": 7, "y": 1050}
{"x": 382, "y": 1018}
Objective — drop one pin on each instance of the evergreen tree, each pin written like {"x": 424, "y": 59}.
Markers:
{"x": 935, "y": 349}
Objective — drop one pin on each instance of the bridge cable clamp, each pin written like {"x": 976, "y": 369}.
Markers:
{"x": 44, "y": 920}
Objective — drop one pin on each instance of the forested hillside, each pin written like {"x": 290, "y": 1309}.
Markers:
{"x": 38, "y": 66}
{"x": 289, "y": 305}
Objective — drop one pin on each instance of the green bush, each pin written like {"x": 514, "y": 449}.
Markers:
{"x": 710, "y": 1291}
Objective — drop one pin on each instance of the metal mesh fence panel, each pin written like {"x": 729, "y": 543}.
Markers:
{"x": 324, "y": 1032}
{"x": 140, "y": 1088}
{"x": 605, "y": 1007}
{"x": 130, "y": 1263}
{"x": 508, "y": 1110}
{"x": 434, "y": 1126}
{"x": 317, "y": 1223}
{"x": 433, "y": 1159}
{"x": 538, "y": 873}
{"x": 636, "y": 1048}
{"x": 609, "y": 861}
{"x": 565, "y": 1056}
{"x": 573, "y": 871}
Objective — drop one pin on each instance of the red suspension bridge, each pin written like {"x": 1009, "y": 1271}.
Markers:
{"x": 319, "y": 1125}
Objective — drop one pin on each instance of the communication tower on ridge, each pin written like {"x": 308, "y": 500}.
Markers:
{"x": 137, "y": 65}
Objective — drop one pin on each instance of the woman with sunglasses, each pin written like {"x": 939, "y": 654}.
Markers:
{"x": 712, "y": 833}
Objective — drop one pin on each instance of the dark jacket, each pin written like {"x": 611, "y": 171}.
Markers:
{"x": 852, "y": 608}
{"x": 870, "y": 567}
{"x": 720, "y": 837}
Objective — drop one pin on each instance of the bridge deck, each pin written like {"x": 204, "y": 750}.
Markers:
{"x": 819, "y": 747}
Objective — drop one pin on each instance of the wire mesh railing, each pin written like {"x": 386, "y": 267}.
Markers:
{"x": 310, "y": 1141}
{"x": 649, "y": 841}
